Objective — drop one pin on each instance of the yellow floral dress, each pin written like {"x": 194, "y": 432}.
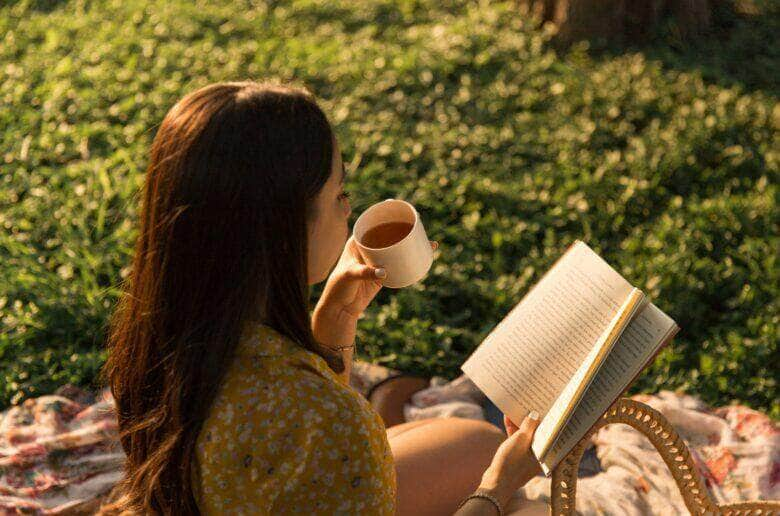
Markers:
{"x": 285, "y": 435}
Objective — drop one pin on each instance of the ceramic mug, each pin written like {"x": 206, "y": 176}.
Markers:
{"x": 405, "y": 261}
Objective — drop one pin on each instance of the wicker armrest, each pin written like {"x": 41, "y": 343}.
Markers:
{"x": 673, "y": 450}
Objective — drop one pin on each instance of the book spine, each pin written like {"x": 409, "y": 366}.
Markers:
{"x": 547, "y": 469}
{"x": 612, "y": 334}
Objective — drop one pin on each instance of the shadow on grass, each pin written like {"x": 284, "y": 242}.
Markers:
{"x": 739, "y": 49}
{"x": 43, "y": 6}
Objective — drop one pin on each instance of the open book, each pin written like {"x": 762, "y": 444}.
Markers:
{"x": 568, "y": 350}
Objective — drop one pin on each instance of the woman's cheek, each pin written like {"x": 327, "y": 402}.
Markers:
{"x": 345, "y": 225}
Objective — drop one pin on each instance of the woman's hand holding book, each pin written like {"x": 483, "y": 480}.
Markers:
{"x": 514, "y": 464}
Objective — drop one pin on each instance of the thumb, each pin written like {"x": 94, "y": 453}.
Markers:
{"x": 529, "y": 424}
{"x": 364, "y": 272}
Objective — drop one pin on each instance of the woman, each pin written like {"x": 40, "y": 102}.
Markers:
{"x": 231, "y": 398}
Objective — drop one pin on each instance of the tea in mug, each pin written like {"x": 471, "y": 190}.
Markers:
{"x": 385, "y": 234}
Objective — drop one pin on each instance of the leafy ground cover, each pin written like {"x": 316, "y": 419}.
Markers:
{"x": 509, "y": 149}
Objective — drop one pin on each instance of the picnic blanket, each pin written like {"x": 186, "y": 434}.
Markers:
{"x": 59, "y": 454}
{"x": 736, "y": 449}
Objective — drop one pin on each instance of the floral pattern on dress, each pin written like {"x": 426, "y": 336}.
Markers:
{"x": 286, "y": 436}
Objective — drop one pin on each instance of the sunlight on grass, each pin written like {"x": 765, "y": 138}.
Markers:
{"x": 509, "y": 151}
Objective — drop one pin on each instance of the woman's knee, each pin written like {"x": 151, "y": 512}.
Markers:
{"x": 442, "y": 436}
{"x": 399, "y": 429}
{"x": 482, "y": 436}
{"x": 476, "y": 438}
{"x": 481, "y": 430}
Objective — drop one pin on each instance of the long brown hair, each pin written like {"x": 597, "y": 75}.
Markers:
{"x": 233, "y": 172}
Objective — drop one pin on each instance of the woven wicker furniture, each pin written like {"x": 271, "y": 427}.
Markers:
{"x": 670, "y": 445}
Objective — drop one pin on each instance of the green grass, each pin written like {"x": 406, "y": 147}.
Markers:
{"x": 509, "y": 150}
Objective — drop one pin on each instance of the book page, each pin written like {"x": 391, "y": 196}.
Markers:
{"x": 563, "y": 408}
{"x": 528, "y": 359}
{"x": 649, "y": 329}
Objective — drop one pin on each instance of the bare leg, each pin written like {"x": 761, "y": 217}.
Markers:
{"x": 403, "y": 427}
{"x": 388, "y": 398}
{"x": 440, "y": 461}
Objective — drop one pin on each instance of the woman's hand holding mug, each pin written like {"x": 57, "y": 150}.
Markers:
{"x": 362, "y": 271}
{"x": 349, "y": 289}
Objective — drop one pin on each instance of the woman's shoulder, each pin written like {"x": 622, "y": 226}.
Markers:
{"x": 281, "y": 422}
{"x": 274, "y": 383}
{"x": 265, "y": 354}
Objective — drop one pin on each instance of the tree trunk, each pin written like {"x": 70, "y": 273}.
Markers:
{"x": 621, "y": 20}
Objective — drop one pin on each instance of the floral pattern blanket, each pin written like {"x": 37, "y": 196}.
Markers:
{"x": 736, "y": 449}
{"x": 59, "y": 454}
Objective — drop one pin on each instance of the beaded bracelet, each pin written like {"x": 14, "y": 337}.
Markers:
{"x": 479, "y": 493}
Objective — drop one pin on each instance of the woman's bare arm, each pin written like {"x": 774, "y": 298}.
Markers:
{"x": 513, "y": 465}
{"x": 346, "y": 356}
{"x": 494, "y": 485}
{"x": 477, "y": 507}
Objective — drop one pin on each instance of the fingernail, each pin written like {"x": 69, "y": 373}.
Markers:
{"x": 533, "y": 415}
{"x": 380, "y": 273}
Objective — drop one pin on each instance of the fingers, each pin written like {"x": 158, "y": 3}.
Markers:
{"x": 529, "y": 423}
{"x": 527, "y": 426}
{"x": 525, "y": 435}
{"x": 351, "y": 249}
{"x": 365, "y": 272}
